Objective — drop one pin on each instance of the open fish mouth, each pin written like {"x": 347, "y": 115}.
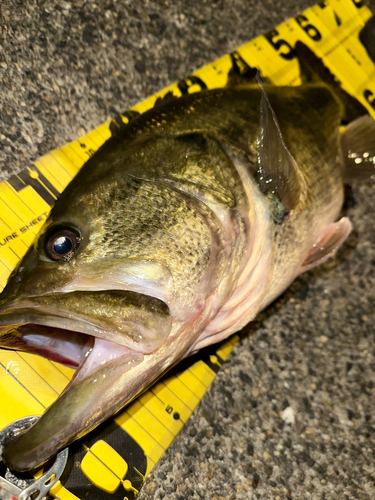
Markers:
{"x": 67, "y": 347}
{"x": 103, "y": 381}
{"x": 73, "y": 347}
{"x": 70, "y": 339}
{"x": 126, "y": 318}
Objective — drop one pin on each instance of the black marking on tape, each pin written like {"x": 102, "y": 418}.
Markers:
{"x": 11, "y": 249}
{"x": 185, "y": 84}
{"x": 10, "y": 237}
{"x": 310, "y": 30}
{"x": 9, "y": 269}
{"x": 370, "y": 98}
{"x": 161, "y": 422}
{"x": 24, "y": 229}
{"x": 33, "y": 223}
{"x": 358, "y": 3}
{"x": 38, "y": 182}
{"x": 5, "y": 224}
{"x": 37, "y": 373}
{"x": 337, "y": 18}
{"x": 211, "y": 358}
{"x": 214, "y": 361}
{"x": 75, "y": 481}
{"x": 165, "y": 384}
{"x": 90, "y": 152}
{"x": 287, "y": 52}
{"x": 20, "y": 383}
{"x": 11, "y": 209}
{"x": 59, "y": 369}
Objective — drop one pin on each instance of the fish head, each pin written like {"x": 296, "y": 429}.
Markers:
{"x": 78, "y": 278}
{"x": 119, "y": 284}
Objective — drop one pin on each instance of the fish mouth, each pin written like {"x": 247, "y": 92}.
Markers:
{"x": 103, "y": 383}
{"x": 65, "y": 346}
{"x": 126, "y": 318}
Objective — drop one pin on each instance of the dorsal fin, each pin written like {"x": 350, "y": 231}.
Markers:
{"x": 117, "y": 124}
{"x": 169, "y": 96}
{"x": 312, "y": 69}
{"x": 240, "y": 73}
{"x": 278, "y": 171}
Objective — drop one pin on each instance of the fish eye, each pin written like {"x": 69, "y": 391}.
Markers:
{"x": 62, "y": 244}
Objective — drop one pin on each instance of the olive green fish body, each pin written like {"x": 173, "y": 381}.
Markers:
{"x": 186, "y": 223}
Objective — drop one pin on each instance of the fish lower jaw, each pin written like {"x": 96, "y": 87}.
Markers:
{"x": 99, "y": 365}
{"x": 100, "y": 354}
{"x": 89, "y": 398}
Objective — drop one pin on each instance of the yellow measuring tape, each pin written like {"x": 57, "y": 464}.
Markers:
{"x": 115, "y": 459}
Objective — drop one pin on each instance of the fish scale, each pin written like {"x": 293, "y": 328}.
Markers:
{"x": 187, "y": 244}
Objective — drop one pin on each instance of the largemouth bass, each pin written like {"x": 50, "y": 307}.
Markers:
{"x": 174, "y": 235}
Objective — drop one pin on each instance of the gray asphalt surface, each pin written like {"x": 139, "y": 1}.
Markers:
{"x": 67, "y": 66}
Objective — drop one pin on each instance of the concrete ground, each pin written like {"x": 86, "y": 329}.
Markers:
{"x": 67, "y": 66}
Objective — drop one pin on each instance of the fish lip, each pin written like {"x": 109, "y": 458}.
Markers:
{"x": 54, "y": 324}
{"x": 26, "y": 313}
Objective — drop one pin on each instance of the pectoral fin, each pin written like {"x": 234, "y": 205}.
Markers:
{"x": 278, "y": 171}
{"x": 327, "y": 243}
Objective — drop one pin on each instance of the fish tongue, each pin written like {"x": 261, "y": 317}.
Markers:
{"x": 63, "y": 346}
{"x": 91, "y": 397}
